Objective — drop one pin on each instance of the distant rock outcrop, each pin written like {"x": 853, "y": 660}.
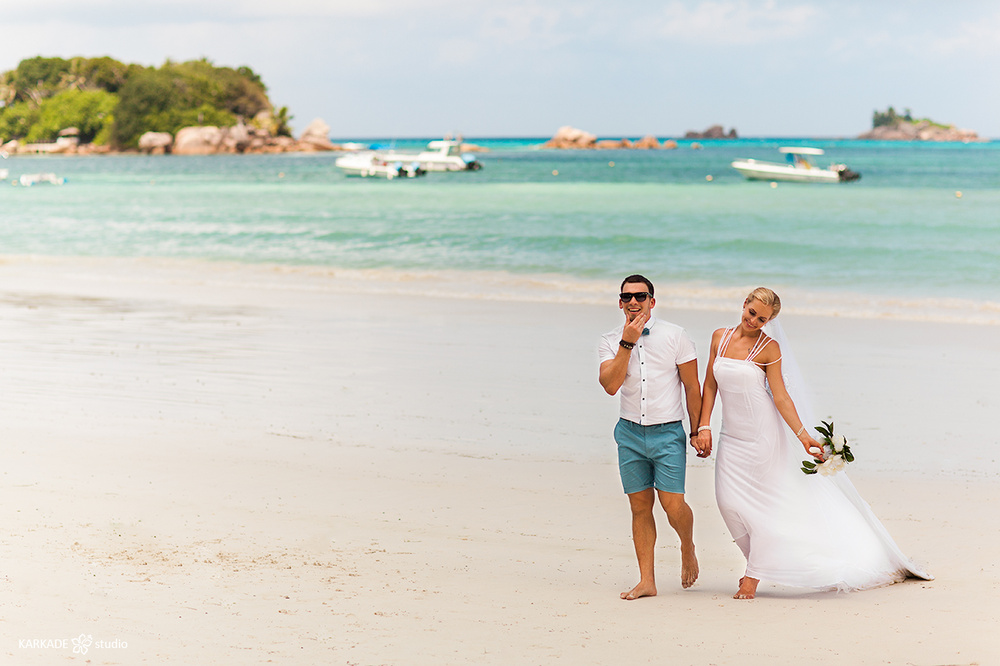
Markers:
{"x": 921, "y": 130}
{"x": 156, "y": 143}
{"x": 196, "y": 140}
{"x": 648, "y": 142}
{"x": 713, "y": 132}
{"x": 571, "y": 138}
{"x": 316, "y": 136}
{"x": 204, "y": 140}
{"x": 64, "y": 145}
{"x": 241, "y": 138}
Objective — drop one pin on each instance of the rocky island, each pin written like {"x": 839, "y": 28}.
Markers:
{"x": 572, "y": 138}
{"x": 713, "y": 132}
{"x": 889, "y": 126}
{"x": 101, "y": 105}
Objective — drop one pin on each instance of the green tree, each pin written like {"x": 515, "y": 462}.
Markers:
{"x": 280, "y": 122}
{"x": 37, "y": 78}
{"x": 100, "y": 73}
{"x": 885, "y": 118}
{"x": 16, "y": 120}
{"x": 90, "y": 111}
{"x": 146, "y": 92}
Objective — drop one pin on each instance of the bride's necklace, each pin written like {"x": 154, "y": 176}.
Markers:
{"x": 749, "y": 348}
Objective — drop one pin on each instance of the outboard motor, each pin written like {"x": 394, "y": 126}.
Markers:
{"x": 846, "y": 174}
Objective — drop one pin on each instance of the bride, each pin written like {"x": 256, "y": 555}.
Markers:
{"x": 794, "y": 529}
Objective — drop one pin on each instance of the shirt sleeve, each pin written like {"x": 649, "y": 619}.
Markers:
{"x": 606, "y": 349}
{"x": 685, "y": 348}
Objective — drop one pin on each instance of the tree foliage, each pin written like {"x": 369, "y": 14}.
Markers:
{"x": 108, "y": 100}
{"x": 90, "y": 111}
{"x": 889, "y": 118}
{"x": 181, "y": 94}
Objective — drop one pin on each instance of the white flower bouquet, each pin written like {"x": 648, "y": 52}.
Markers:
{"x": 835, "y": 450}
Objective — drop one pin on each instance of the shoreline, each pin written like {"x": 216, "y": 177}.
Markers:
{"x": 501, "y": 286}
{"x": 481, "y": 144}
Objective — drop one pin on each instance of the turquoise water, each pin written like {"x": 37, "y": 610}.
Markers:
{"x": 901, "y": 232}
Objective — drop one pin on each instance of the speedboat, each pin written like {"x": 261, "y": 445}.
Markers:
{"x": 797, "y": 168}
{"x": 372, "y": 164}
{"x": 442, "y": 155}
{"x": 29, "y": 179}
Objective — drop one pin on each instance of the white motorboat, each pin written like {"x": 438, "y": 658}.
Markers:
{"x": 29, "y": 179}
{"x": 372, "y": 164}
{"x": 4, "y": 173}
{"x": 442, "y": 155}
{"x": 797, "y": 168}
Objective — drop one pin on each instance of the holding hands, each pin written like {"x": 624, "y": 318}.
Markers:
{"x": 702, "y": 443}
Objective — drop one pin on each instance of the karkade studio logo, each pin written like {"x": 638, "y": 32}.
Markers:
{"x": 81, "y": 645}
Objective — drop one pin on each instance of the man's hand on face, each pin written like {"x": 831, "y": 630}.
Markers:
{"x": 633, "y": 329}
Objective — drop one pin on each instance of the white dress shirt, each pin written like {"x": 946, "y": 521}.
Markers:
{"x": 652, "y": 392}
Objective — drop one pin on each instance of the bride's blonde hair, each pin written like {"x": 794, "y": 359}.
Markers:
{"x": 766, "y": 297}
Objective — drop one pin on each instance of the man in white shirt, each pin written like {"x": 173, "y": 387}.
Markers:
{"x": 654, "y": 365}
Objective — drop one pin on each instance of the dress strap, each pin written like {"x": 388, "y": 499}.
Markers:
{"x": 726, "y": 337}
{"x": 762, "y": 342}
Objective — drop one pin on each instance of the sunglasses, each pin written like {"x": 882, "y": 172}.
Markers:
{"x": 638, "y": 296}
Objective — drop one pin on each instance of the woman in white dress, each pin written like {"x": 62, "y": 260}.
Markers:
{"x": 793, "y": 528}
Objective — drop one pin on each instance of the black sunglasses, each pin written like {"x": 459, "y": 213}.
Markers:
{"x": 638, "y": 296}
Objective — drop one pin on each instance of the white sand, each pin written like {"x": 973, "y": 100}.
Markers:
{"x": 222, "y": 465}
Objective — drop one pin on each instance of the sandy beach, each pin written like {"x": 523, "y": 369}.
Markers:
{"x": 216, "y": 464}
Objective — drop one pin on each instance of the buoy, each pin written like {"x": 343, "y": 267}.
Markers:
{"x": 709, "y": 178}
{"x": 611, "y": 164}
{"x": 773, "y": 184}
{"x": 281, "y": 174}
{"x": 555, "y": 172}
{"x": 958, "y": 195}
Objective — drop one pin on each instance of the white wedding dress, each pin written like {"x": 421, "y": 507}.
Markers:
{"x": 794, "y": 529}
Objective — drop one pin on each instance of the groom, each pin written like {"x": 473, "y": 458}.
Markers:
{"x": 654, "y": 365}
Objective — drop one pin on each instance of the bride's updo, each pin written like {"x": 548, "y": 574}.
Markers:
{"x": 766, "y": 297}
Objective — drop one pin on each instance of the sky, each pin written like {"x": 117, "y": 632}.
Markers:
{"x": 524, "y": 68}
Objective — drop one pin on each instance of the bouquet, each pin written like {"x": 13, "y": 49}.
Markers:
{"x": 835, "y": 449}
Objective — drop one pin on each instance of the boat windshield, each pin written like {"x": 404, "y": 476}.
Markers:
{"x": 798, "y": 160}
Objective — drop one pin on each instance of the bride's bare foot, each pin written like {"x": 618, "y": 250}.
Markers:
{"x": 748, "y": 588}
{"x": 643, "y": 589}
{"x": 689, "y": 567}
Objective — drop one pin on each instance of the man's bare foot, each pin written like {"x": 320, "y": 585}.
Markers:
{"x": 689, "y": 567}
{"x": 748, "y": 588}
{"x": 643, "y": 589}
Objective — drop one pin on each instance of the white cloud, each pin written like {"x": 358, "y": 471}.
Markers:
{"x": 980, "y": 38}
{"x": 105, "y": 12}
{"x": 735, "y": 22}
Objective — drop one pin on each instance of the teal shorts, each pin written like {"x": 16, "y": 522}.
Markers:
{"x": 653, "y": 456}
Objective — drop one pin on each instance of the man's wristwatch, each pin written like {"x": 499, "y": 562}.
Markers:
{"x": 626, "y": 345}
